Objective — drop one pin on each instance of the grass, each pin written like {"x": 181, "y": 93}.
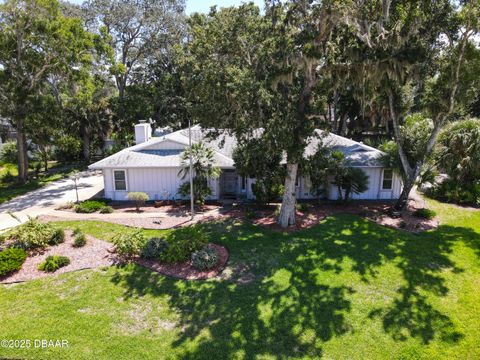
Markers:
{"x": 9, "y": 188}
{"x": 345, "y": 289}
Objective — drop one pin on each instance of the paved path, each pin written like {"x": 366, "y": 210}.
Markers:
{"x": 44, "y": 200}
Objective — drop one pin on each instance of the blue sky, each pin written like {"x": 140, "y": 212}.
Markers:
{"x": 204, "y": 5}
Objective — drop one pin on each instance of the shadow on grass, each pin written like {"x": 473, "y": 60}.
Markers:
{"x": 288, "y": 306}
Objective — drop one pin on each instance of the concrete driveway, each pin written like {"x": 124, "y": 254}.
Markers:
{"x": 47, "y": 198}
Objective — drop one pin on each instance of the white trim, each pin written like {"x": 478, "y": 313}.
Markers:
{"x": 113, "y": 179}
{"x": 383, "y": 176}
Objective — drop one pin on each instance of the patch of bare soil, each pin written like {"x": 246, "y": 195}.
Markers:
{"x": 186, "y": 270}
{"x": 96, "y": 253}
{"x": 377, "y": 211}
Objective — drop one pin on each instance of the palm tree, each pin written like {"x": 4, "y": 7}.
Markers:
{"x": 203, "y": 159}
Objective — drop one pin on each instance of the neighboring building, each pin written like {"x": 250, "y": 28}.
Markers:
{"x": 153, "y": 164}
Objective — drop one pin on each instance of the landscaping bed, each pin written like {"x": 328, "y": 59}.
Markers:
{"x": 311, "y": 213}
{"x": 95, "y": 253}
{"x": 185, "y": 270}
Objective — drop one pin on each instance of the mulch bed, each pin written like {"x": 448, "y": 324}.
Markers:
{"x": 377, "y": 211}
{"x": 186, "y": 270}
{"x": 96, "y": 253}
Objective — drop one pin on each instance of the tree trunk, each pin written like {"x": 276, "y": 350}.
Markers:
{"x": 22, "y": 153}
{"x": 407, "y": 188}
{"x": 86, "y": 146}
{"x": 287, "y": 211}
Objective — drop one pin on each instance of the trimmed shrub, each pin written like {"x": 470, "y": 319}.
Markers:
{"x": 182, "y": 242}
{"x": 106, "y": 210}
{"x": 53, "y": 263}
{"x": 80, "y": 240}
{"x": 154, "y": 248}
{"x": 11, "y": 260}
{"x": 139, "y": 198}
{"x": 204, "y": 259}
{"x": 58, "y": 237}
{"x": 129, "y": 244}
{"x": 32, "y": 235}
{"x": 425, "y": 213}
{"x": 89, "y": 206}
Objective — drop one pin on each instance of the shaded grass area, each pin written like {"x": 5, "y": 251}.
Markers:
{"x": 9, "y": 188}
{"x": 347, "y": 288}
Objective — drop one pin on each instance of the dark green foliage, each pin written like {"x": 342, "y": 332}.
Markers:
{"x": 33, "y": 235}
{"x": 106, "y": 210}
{"x": 266, "y": 191}
{"x": 350, "y": 180}
{"x": 200, "y": 190}
{"x": 459, "y": 151}
{"x": 258, "y": 159}
{"x": 425, "y": 213}
{"x": 182, "y": 242}
{"x": 11, "y": 260}
{"x": 203, "y": 160}
{"x": 58, "y": 237}
{"x": 154, "y": 248}
{"x": 77, "y": 231}
{"x": 80, "y": 240}
{"x": 8, "y": 152}
{"x": 303, "y": 207}
{"x": 129, "y": 244}
{"x": 455, "y": 192}
{"x": 89, "y": 206}
{"x": 204, "y": 259}
{"x": 68, "y": 149}
{"x": 53, "y": 263}
{"x": 250, "y": 213}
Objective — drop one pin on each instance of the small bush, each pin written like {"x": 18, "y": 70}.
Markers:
{"x": 139, "y": 198}
{"x": 11, "y": 260}
{"x": 182, "y": 242}
{"x": 204, "y": 259}
{"x": 58, "y": 237}
{"x": 53, "y": 263}
{"x": 129, "y": 244}
{"x": 154, "y": 248}
{"x": 89, "y": 206}
{"x": 80, "y": 240}
{"x": 77, "y": 231}
{"x": 303, "y": 207}
{"x": 32, "y": 235}
{"x": 9, "y": 152}
{"x": 250, "y": 214}
{"x": 425, "y": 213}
{"x": 106, "y": 210}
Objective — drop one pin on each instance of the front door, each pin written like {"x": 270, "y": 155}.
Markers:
{"x": 228, "y": 182}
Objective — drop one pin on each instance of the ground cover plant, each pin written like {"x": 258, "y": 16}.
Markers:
{"x": 53, "y": 263}
{"x": 346, "y": 288}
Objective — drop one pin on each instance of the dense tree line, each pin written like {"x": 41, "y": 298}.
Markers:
{"x": 369, "y": 69}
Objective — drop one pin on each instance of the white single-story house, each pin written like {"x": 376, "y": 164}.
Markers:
{"x": 153, "y": 164}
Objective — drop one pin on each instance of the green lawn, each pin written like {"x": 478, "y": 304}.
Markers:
{"x": 10, "y": 189}
{"x": 345, "y": 289}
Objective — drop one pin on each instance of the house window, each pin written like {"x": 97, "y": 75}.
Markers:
{"x": 244, "y": 183}
{"x": 120, "y": 180}
{"x": 387, "y": 181}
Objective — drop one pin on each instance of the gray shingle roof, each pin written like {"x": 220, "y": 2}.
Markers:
{"x": 145, "y": 155}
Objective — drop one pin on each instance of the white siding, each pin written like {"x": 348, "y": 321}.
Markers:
{"x": 164, "y": 182}
{"x": 159, "y": 184}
